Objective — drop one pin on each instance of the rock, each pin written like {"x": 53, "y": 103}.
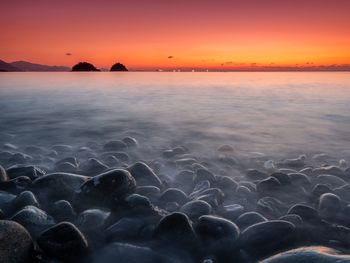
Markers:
{"x": 5, "y": 156}
{"x": 24, "y": 199}
{"x": 93, "y": 166}
{"x": 66, "y": 167}
{"x": 144, "y": 175}
{"x": 84, "y": 66}
{"x": 248, "y": 219}
{"x": 57, "y": 186}
{"x": 331, "y": 180}
{"x": 105, "y": 190}
{"x": 218, "y": 236}
{"x": 343, "y": 192}
{"x": 171, "y": 207}
{"x": 19, "y": 159}
{"x": 150, "y": 191}
{"x": 121, "y": 156}
{"x": 175, "y": 228}
{"x": 9, "y": 146}
{"x": 3, "y": 175}
{"x": 320, "y": 189}
{"x": 310, "y": 255}
{"x": 63, "y": 241}
{"x": 270, "y": 207}
{"x": 131, "y": 142}
{"x": 255, "y": 174}
{"x": 195, "y": 209}
{"x": 332, "y": 170}
{"x": 268, "y": 186}
{"x": 92, "y": 219}
{"x": 180, "y": 150}
{"x": 173, "y": 195}
{"x": 243, "y": 191}
{"x": 33, "y": 219}
{"x": 294, "y": 219}
{"x": 295, "y": 163}
{"x": 62, "y": 210}
{"x": 111, "y": 161}
{"x": 227, "y": 185}
{"x": 232, "y": 212}
{"x": 282, "y": 178}
{"x": 300, "y": 179}
{"x": 5, "y": 200}
{"x": 118, "y": 67}
{"x": 307, "y": 213}
{"x": 136, "y": 201}
{"x": 213, "y": 196}
{"x": 265, "y": 238}
{"x": 16, "y": 245}
{"x": 30, "y": 171}
{"x": 71, "y": 160}
{"x": 203, "y": 175}
{"x": 329, "y": 206}
{"x": 115, "y": 146}
{"x": 200, "y": 188}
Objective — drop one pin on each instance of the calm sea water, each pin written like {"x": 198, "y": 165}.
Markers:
{"x": 272, "y": 113}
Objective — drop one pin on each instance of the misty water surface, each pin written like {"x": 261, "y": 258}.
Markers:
{"x": 275, "y": 113}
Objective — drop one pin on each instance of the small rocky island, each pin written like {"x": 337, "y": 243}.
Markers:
{"x": 118, "y": 67}
{"x": 84, "y": 66}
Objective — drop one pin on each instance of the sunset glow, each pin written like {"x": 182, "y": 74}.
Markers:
{"x": 177, "y": 34}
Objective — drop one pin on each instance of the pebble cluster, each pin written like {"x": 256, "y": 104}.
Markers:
{"x": 107, "y": 203}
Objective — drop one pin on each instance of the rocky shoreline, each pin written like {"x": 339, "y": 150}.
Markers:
{"x": 113, "y": 203}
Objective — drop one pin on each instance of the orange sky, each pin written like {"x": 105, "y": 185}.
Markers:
{"x": 201, "y": 34}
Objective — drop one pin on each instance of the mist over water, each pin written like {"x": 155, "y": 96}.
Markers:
{"x": 274, "y": 113}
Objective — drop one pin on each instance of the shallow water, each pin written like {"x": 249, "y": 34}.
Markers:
{"x": 274, "y": 113}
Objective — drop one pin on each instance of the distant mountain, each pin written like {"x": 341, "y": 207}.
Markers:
{"x": 28, "y": 66}
{"x": 4, "y": 66}
{"x": 118, "y": 67}
{"x": 84, "y": 66}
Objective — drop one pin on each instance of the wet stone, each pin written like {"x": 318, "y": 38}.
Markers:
{"x": 16, "y": 245}
{"x": 63, "y": 241}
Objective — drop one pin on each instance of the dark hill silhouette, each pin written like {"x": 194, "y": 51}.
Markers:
{"x": 118, "y": 67}
{"x": 4, "y": 67}
{"x": 84, "y": 66}
{"x": 28, "y": 66}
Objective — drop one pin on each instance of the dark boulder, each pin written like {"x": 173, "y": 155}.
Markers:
{"x": 175, "y": 228}
{"x": 265, "y": 238}
{"x": 84, "y": 66}
{"x": 57, "y": 186}
{"x": 195, "y": 209}
{"x": 118, "y": 67}
{"x": 63, "y": 241}
{"x": 329, "y": 206}
{"x": 30, "y": 171}
{"x": 248, "y": 219}
{"x": 173, "y": 195}
{"x": 144, "y": 175}
{"x": 105, "y": 190}
{"x": 307, "y": 213}
{"x": 218, "y": 236}
{"x": 33, "y": 219}
{"x": 16, "y": 245}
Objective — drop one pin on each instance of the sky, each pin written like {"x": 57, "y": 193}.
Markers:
{"x": 151, "y": 34}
